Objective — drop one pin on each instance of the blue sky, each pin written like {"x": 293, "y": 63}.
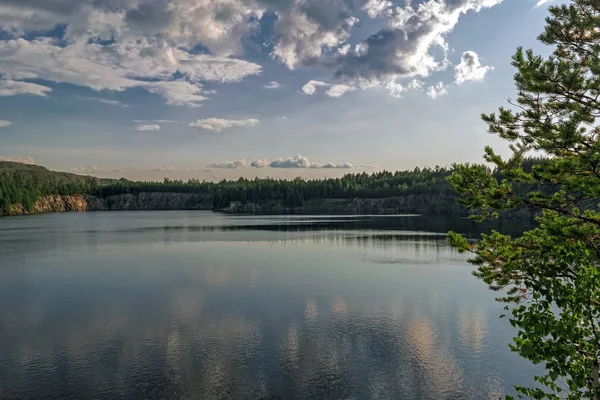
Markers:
{"x": 226, "y": 88}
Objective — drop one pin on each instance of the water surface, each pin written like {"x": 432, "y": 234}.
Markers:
{"x": 196, "y": 305}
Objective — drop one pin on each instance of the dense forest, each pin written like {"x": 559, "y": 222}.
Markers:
{"x": 24, "y": 184}
{"x": 293, "y": 193}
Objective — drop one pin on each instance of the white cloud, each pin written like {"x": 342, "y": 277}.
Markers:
{"x": 95, "y": 169}
{"x": 229, "y": 164}
{"x": 214, "y": 69}
{"x": 272, "y": 85}
{"x": 144, "y": 63}
{"x": 147, "y": 127}
{"x": 403, "y": 49}
{"x": 109, "y": 102}
{"x": 339, "y": 90}
{"x": 329, "y": 165}
{"x": 303, "y": 162}
{"x": 165, "y": 169}
{"x": 14, "y": 88}
{"x": 437, "y": 90}
{"x": 310, "y": 88}
{"x": 368, "y": 166}
{"x": 397, "y": 89}
{"x": 4, "y": 123}
{"x": 121, "y": 44}
{"x": 293, "y": 162}
{"x": 470, "y": 69}
{"x": 542, "y": 2}
{"x": 262, "y": 163}
{"x": 220, "y": 124}
{"x": 178, "y": 93}
{"x": 17, "y": 159}
{"x": 160, "y": 121}
{"x": 375, "y": 8}
{"x": 306, "y": 29}
{"x": 296, "y": 162}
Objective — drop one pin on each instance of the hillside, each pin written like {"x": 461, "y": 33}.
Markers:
{"x": 22, "y": 185}
{"x": 34, "y": 189}
{"x": 37, "y": 173}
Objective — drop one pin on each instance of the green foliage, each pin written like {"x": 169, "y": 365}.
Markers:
{"x": 429, "y": 185}
{"x": 549, "y": 276}
{"x": 427, "y": 188}
{"x": 25, "y": 184}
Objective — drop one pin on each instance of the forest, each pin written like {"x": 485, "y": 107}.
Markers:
{"x": 24, "y": 184}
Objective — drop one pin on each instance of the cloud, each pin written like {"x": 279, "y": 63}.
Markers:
{"x": 403, "y": 49}
{"x": 397, "y": 89}
{"x": 178, "y": 93}
{"x": 229, "y": 164}
{"x": 329, "y": 165}
{"x": 14, "y": 88}
{"x": 259, "y": 163}
{"x": 310, "y": 88}
{"x": 272, "y": 85}
{"x": 220, "y": 124}
{"x": 542, "y": 2}
{"x": 437, "y": 90}
{"x": 95, "y": 169}
{"x": 366, "y": 166}
{"x": 165, "y": 169}
{"x": 147, "y": 127}
{"x": 303, "y": 162}
{"x": 17, "y": 159}
{"x": 105, "y": 101}
{"x": 470, "y": 69}
{"x": 295, "y": 162}
{"x": 306, "y": 30}
{"x": 4, "y": 123}
{"x": 154, "y": 45}
{"x": 146, "y": 63}
{"x": 339, "y": 90}
{"x": 159, "y": 121}
{"x": 375, "y": 8}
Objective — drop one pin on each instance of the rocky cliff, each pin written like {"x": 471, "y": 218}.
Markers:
{"x": 58, "y": 203}
{"x": 191, "y": 201}
{"x": 143, "y": 201}
{"x": 158, "y": 201}
{"x": 380, "y": 206}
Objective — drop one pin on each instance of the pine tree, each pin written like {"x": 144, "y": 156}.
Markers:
{"x": 550, "y": 274}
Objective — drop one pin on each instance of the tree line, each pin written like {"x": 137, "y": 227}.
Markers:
{"x": 423, "y": 185}
{"x": 293, "y": 193}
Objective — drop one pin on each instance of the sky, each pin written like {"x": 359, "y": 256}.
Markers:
{"x": 213, "y": 89}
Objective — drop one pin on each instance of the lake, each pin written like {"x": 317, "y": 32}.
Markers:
{"x": 197, "y": 305}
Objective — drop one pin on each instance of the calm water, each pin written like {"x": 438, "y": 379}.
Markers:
{"x": 195, "y": 305}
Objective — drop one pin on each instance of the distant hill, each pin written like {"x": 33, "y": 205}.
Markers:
{"x": 37, "y": 174}
{"x": 22, "y": 185}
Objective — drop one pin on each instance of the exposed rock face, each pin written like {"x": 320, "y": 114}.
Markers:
{"x": 58, "y": 203}
{"x": 190, "y": 201}
{"x": 158, "y": 201}
{"x": 143, "y": 201}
